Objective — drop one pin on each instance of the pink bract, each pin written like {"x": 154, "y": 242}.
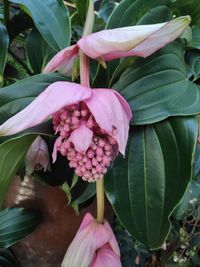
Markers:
{"x": 92, "y": 125}
{"x": 140, "y": 40}
{"x": 93, "y": 243}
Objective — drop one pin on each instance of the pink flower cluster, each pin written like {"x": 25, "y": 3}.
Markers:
{"x": 91, "y": 164}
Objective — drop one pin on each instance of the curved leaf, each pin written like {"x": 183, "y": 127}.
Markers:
{"x": 15, "y": 97}
{"x": 4, "y": 42}
{"x": 7, "y": 259}
{"x": 38, "y": 52}
{"x": 51, "y": 18}
{"x": 145, "y": 187}
{"x": 158, "y": 87}
{"x": 12, "y": 153}
{"x": 133, "y": 12}
{"x": 15, "y": 224}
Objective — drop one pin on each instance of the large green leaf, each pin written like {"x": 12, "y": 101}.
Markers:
{"x": 15, "y": 224}
{"x": 7, "y": 259}
{"x": 51, "y": 17}
{"x": 132, "y": 12}
{"x": 145, "y": 187}
{"x": 158, "y": 87}
{"x": 12, "y": 153}
{"x": 38, "y": 51}
{"x": 190, "y": 202}
{"x": 4, "y": 42}
{"x": 15, "y": 97}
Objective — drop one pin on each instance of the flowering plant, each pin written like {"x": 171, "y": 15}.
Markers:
{"x": 117, "y": 104}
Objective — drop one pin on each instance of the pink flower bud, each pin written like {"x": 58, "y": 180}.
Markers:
{"x": 93, "y": 245}
{"x": 37, "y": 157}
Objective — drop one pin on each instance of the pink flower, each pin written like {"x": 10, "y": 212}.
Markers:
{"x": 37, "y": 157}
{"x": 140, "y": 40}
{"x": 93, "y": 246}
{"x": 92, "y": 124}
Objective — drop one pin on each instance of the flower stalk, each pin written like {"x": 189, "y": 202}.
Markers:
{"x": 85, "y": 81}
{"x": 100, "y": 200}
{"x": 84, "y": 60}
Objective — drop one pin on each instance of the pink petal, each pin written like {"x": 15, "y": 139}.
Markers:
{"x": 112, "y": 242}
{"x": 57, "y": 144}
{"x": 55, "y": 97}
{"x": 63, "y": 61}
{"x": 88, "y": 239}
{"x": 106, "y": 257}
{"x": 110, "y": 111}
{"x": 81, "y": 138}
{"x": 141, "y": 40}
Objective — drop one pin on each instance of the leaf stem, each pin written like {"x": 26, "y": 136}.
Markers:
{"x": 100, "y": 200}
{"x": 6, "y": 12}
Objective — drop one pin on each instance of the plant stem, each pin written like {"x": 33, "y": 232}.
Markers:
{"x": 84, "y": 61}
{"x": 85, "y": 81}
{"x": 100, "y": 200}
{"x": 6, "y": 12}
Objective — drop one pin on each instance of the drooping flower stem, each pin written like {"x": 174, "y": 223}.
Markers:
{"x": 84, "y": 61}
{"x": 85, "y": 80}
{"x": 100, "y": 200}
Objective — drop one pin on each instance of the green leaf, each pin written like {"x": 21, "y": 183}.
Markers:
{"x": 191, "y": 199}
{"x": 195, "y": 42}
{"x": 129, "y": 13}
{"x": 133, "y": 12}
{"x": 158, "y": 87}
{"x": 146, "y": 186}
{"x": 38, "y": 52}
{"x": 51, "y": 17}
{"x": 15, "y": 97}
{"x": 4, "y": 42}
{"x": 15, "y": 224}
{"x": 106, "y": 8}
{"x": 189, "y": 7}
{"x": 193, "y": 60}
{"x": 7, "y": 259}
{"x": 12, "y": 153}
{"x": 89, "y": 192}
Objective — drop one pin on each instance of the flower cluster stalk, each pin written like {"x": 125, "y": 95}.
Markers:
{"x": 85, "y": 81}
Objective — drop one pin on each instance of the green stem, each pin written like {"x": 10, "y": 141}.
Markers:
{"x": 84, "y": 61}
{"x": 85, "y": 81}
{"x": 6, "y": 12}
{"x": 100, "y": 200}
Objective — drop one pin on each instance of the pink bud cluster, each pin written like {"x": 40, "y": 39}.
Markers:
{"x": 93, "y": 164}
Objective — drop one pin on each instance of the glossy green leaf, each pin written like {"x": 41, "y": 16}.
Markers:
{"x": 7, "y": 259}
{"x": 15, "y": 97}
{"x": 15, "y": 224}
{"x": 51, "y": 17}
{"x": 191, "y": 200}
{"x": 146, "y": 186}
{"x": 133, "y": 12}
{"x": 193, "y": 61}
{"x": 106, "y": 8}
{"x": 12, "y": 153}
{"x": 189, "y": 7}
{"x": 4, "y": 42}
{"x": 158, "y": 87}
{"x": 89, "y": 192}
{"x": 195, "y": 42}
{"x": 38, "y": 52}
